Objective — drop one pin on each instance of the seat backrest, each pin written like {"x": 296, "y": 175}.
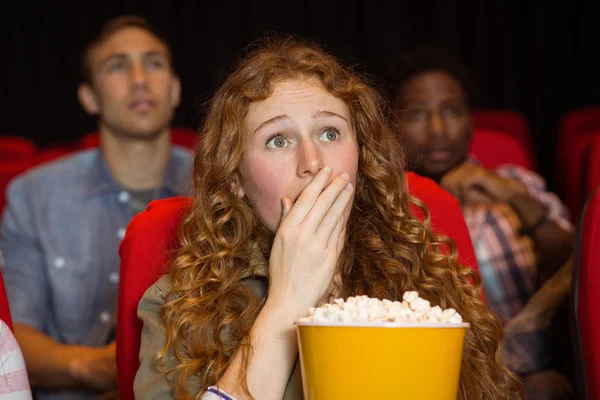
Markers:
{"x": 593, "y": 168}
{"x": 146, "y": 250}
{"x": 586, "y": 299}
{"x": 580, "y": 120}
{"x": 570, "y": 169}
{"x": 89, "y": 140}
{"x": 4, "y": 308}
{"x": 185, "y": 137}
{"x": 53, "y": 153}
{"x": 494, "y": 148}
{"x": 13, "y": 148}
{"x": 507, "y": 121}
{"x": 8, "y": 171}
{"x": 180, "y": 136}
{"x": 576, "y": 131}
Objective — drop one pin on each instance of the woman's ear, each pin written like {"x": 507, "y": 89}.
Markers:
{"x": 236, "y": 187}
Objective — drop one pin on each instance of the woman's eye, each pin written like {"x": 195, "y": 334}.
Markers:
{"x": 277, "y": 142}
{"x": 329, "y": 135}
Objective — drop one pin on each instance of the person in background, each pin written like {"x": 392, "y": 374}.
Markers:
{"x": 64, "y": 221}
{"x": 521, "y": 232}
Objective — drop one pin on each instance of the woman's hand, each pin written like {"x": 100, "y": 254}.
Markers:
{"x": 308, "y": 243}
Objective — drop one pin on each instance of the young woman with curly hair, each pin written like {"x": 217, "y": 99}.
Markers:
{"x": 300, "y": 197}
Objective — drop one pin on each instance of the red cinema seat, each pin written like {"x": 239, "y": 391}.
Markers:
{"x": 510, "y": 122}
{"x": 586, "y": 300}
{"x": 593, "y": 168}
{"x": 13, "y": 148}
{"x": 53, "y": 153}
{"x": 185, "y": 137}
{"x": 180, "y": 136}
{"x": 8, "y": 171}
{"x": 4, "y": 308}
{"x": 577, "y": 130}
{"x": 495, "y": 148}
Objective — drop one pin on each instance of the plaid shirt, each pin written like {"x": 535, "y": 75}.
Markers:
{"x": 507, "y": 261}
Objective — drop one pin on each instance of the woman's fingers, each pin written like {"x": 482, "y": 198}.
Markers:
{"x": 286, "y": 206}
{"x": 322, "y": 207}
{"x": 330, "y": 219}
{"x": 309, "y": 196}
{"x": 338, "y": 236}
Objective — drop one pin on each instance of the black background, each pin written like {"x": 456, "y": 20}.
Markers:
{"x": 532, "y": 57}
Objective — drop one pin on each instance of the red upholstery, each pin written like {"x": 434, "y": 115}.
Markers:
{"x": 580, "y": 120}
{"x": 511, "y": 122}
{"x": 180, "y": 136}
{"x": 577, "y": 130}
{"x": 53, "y": 153}
{"x": 570, "y": 168}
{"x": 14, "y": 148}
{"x": 593, "y": 167}
{"x": 8, "y": 171}
{"x": 587, "y": 298}
{"x": 494, "y": 148}
{"x": 144, "y": 254}
{"x": 4, "y": 309}
{"x": 185, "y": 137}
{"x": 90, "y": 140}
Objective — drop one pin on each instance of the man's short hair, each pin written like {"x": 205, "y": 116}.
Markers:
{"x": 111, "y": 27}
{"x": 419, "y": 60}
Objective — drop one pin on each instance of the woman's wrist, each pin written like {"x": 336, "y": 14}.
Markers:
{"x": 282, "y": 312}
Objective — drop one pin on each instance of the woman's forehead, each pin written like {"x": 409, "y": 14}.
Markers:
{"x": 295, "y": 95}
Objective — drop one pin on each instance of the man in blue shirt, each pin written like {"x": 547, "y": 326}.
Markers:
{"x": 64, "y": 221}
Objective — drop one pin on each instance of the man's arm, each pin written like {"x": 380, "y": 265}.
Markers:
{"x": 553, "y": 243}
{"x": 52, "y": 365}
{"x": 526, "y": 331}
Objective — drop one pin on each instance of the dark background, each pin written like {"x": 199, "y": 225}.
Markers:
{"x": 532, "y": 57}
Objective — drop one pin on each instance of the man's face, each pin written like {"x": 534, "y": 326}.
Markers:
{"x": 434, "y": 123}
{"x": 133, "y": 90}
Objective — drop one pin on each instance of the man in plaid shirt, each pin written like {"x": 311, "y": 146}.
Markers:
{"x": 521, "y": 233}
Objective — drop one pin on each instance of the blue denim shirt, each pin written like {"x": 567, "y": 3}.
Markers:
{"x": 61, "y": 230}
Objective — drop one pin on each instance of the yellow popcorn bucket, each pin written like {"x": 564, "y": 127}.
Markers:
{"x": 380, "y": 360}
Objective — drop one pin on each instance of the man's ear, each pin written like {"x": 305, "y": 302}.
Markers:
{"x": 175, "y": 94}
{"x": 88, "y": 99}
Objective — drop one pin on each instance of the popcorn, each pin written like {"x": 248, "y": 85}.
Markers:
{"x": 412, "y": 308}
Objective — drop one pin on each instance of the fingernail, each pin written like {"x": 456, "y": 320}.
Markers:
{"x": 348, "y": 186}
{"x": 327, "y": 170}
{"x": 345, "y": 176}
